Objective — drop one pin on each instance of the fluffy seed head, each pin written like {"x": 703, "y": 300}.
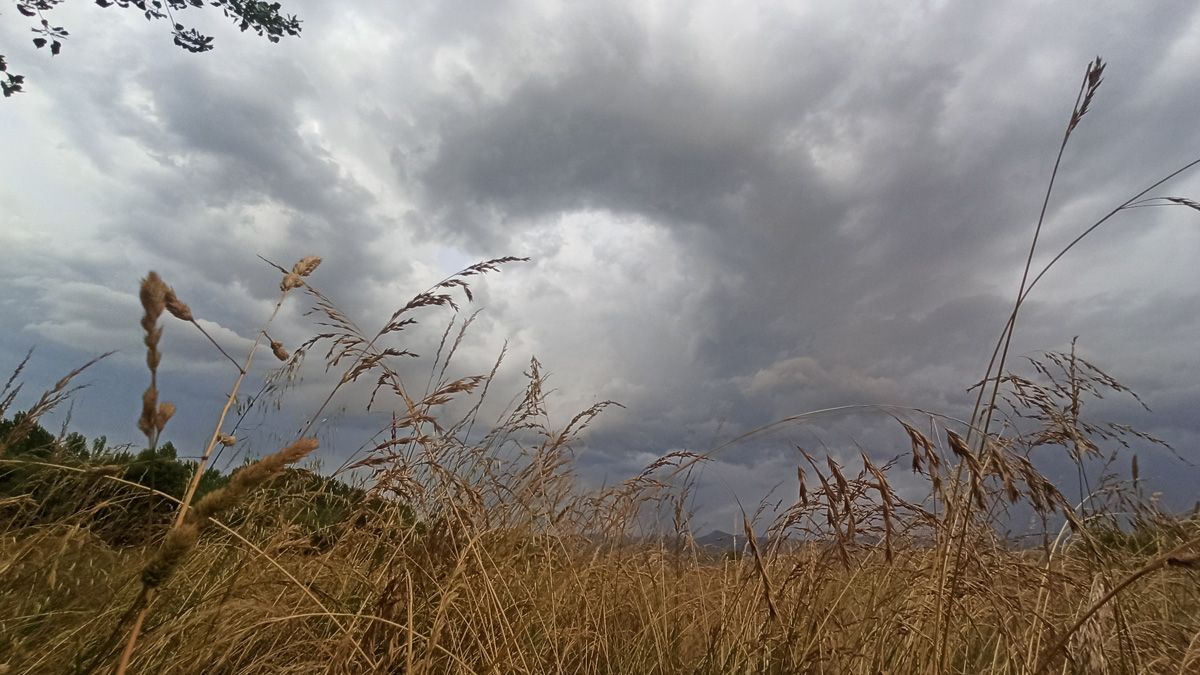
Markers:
{"x": 291, "y": 281}
{"x": 213, "y": 503}
{"x": 153, "y": 356}
{"x": 176, "y": 545}
{"x": 177, "y": 307}
{"x": 147, "y": 423}
{"x": 153, "y": 294}
{"x": 306, "y": 265}
{"x": 266, "y": 468}
{"x": 250, "y": 478}
{"x": 166, "y": 410}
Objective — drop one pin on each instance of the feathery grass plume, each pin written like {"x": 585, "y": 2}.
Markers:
{"x": 153, "y": 294}
{"x": 12, "y": 386}
{"x": 760, "y": 567}
{"x": 49, "y": 400}
{"x": 175, "y": 547}
{"x": 886, "y": 503}
{"x": 226, "y": 439}
{"x": 982, "y": 412}
{"x": 278, "y": 350}
{"x": 365, "y": 353}
{"x": 302, "y": 268}
{"x": 290, "y": 280}
{"x": 247, "y": 479}
{"x": 802, "y": 491}
{"x": 1154, "y": 202}
{"x": 1092, "y": 80}
{"x": 177, "y": 307}
{"x": 166, "y": 411}
{"x": 306, "y": 265}
{"x": 293, "y": 278}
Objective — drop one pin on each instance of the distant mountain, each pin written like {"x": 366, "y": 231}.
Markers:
{"x": 719, "y": 540}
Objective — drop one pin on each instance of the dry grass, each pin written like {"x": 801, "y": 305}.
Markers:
{"x": 476, "y": 550}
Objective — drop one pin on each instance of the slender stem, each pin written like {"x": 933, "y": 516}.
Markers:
{"x": 127, "y": 652}
{"x": 214, "y": 343}
{"x": 944, "y": 616}
{"x": 1008, "y": 326}
{"x": 152, "y": 436}
{"x": 1012, "y": 319}
{"x": 1100, "y": 222}
{"x": 216, "y": 434}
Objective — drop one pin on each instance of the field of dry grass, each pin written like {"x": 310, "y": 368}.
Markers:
{"x": 473, "y": 548}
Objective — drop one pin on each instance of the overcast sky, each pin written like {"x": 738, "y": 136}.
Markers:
{"x": 735, "y": 212}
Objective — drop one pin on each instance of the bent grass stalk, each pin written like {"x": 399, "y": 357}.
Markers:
{"x": 1092, "y": 79}
{"x": 156, "y": 297}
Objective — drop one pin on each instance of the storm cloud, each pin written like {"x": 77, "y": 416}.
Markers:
{"x": 734, "y": 214}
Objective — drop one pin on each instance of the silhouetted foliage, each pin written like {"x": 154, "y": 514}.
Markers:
{"x": 51, "y": 478}
{"x": 160, "y": 469}
{"x": 264, "y": 18}
{"x": 36, "y": 442}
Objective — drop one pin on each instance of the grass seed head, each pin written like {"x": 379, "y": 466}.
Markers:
{"x": 177, "y": 307}
{"x": 291, "y": 281}
{"x": 306, "y": 265}
{"x": 175, "y": 547}
{"x": 153, "y": 294}
{"x": 166, "y": 410}
{"x": 248, "y": 478}
{"x": 148, "y": 422}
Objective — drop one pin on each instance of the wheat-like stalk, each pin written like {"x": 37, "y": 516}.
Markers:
{"x": 157, "y": 296}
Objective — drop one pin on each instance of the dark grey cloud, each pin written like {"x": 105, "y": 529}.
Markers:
{"x": 735, "y": 215}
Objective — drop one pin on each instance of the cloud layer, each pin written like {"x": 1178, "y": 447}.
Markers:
{"x": 735, "y": 214}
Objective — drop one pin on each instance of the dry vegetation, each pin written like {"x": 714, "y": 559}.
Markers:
{"x": 473, "y": 549}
